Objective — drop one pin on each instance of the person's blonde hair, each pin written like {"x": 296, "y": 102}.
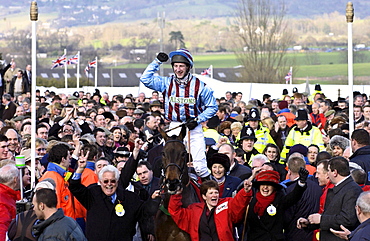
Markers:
{"x": 236, "y": 125}
{"x": 268, "y": 122}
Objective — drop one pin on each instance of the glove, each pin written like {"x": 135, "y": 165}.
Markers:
{"x": 303, "y": 174}
{"x": 191, "y": 123}
{"x": 163, "y": 57}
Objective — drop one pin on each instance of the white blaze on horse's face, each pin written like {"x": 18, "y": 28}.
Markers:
{"x": 211, "y": 197}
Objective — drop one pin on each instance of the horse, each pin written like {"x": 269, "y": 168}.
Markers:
{"x": 174, "y": 177}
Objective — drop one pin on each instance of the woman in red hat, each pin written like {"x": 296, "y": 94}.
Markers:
{"x": 266, "y": 210}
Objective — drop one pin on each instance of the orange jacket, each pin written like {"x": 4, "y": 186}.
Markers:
{"x": 89, "y": 177}
{"x": 66, "y": 200}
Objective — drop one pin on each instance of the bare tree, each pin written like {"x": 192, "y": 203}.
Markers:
{"x": 263, "y": 37}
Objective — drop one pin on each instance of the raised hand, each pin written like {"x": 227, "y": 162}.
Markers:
{"x": 163, "y": 57}
{"x": 247, "y": 185}
{"x": 303, "y": 174}
{"x": 82, "y": 161}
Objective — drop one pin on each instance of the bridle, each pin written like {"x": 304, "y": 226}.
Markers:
{"x": 177, "y": 182}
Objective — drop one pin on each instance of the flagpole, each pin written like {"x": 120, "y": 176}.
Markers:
{"x": 349, "y": 16}
{"x": 65, "y": 71}
{"x": 78, "y": 70}
{"x": 291, "y": 75}
{"x": 96, "y": 72}
{"x": 33, "y": 17}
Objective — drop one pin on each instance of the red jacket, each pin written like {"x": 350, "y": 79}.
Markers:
{"x": 318, "y": 120}
{"x": 228, "y": 212}
{"x": 8, "y": 197}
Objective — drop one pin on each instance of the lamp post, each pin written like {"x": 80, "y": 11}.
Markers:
{"x": 33, "y": 17}
{"x": 349, "y": 16}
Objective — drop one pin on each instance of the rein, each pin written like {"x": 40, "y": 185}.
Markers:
{"x": 181, "y": 169}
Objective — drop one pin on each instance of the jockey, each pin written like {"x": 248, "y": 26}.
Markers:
{"x": 186, "y": 99}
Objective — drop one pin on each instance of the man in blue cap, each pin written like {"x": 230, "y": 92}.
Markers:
{"x": 186, "y": 99}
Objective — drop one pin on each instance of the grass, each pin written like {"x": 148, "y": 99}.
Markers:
{"x": 329, "y": 64}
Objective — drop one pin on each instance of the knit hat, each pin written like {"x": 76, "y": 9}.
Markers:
{"x": 298, "y": 148}
{"x": 295, "y": 90}
{"x": 254, "y": 115}
{"x": 268, "y": 177}
{"x": 283, "y": 104}
{"x": 219, "y": 158}
{"x": 317, "y": 87}
{"x": 181, "y": 56}
{"x": 301, "y": 115}
{"x": 340, "y": 141}
{"x": 285, "y": 91}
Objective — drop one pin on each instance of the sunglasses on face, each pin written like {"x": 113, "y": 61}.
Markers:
{"x": 109, "y": 181}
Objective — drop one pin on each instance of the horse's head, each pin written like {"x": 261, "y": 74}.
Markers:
{"x": 174, "y": 161}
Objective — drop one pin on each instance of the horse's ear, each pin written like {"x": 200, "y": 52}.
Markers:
{"x": 163, "y": 134}
{"x": 182, "y": 133}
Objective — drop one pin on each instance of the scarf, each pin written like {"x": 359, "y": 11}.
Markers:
{"x": 184, "y": 81}
{"x": 263, "y": 202}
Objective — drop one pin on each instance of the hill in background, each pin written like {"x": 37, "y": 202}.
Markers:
{"x": 91, "y": 12}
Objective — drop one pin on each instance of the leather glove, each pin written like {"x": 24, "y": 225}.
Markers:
{"x": 191, "y": 123}
{"x": 163, "y": 57}
{"x": 303, "y": 174}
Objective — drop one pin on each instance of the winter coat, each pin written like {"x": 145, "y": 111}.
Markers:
{"x": 240, "y": 171}
{"x": 228, "y": 212}
{"x": 362, "y": 232}
{"x": 102, "y": 222}
{"x": 270, "y": 227}
{"x": 362, "y": 158}
{"x": 59, "y": 228}
{"x": 65, "y": 198}
{"x": 230, "y": 185}
{"x": 340, "y": 209}
{"x": 8, "y": 197}
{"x": 308, "y": 204}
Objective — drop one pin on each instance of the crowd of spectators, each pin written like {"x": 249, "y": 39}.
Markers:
{"x": 88, "y": 138}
